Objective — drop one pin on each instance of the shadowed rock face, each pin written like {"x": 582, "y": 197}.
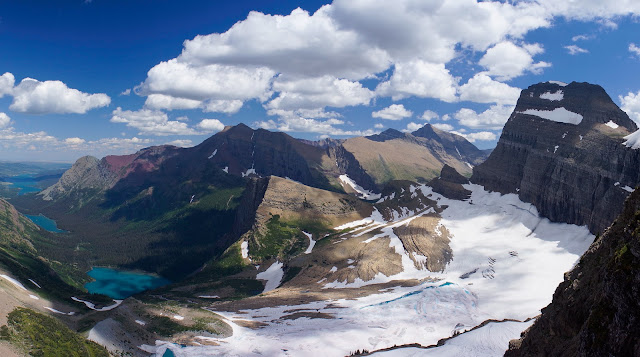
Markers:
{"x": 571, "y": 173}
{"x": 449, "y": 184}
{"x": 596, "y": 310}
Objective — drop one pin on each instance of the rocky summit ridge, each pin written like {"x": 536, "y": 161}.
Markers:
{"x": 563, "y": 150}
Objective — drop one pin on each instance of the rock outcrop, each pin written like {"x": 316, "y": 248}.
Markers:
{"x": 562, "y": 150}
{"x": 449, "y": 184}
{"x": 596, "y": 310}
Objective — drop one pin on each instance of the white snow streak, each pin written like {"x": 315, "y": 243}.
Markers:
{"x": 312, "y": 242}
{"x": 557, "y": 96}
{"x": 362, "y": 193}
{"x": 273, "y": 275}
{"x": 633, "y": 140}
{"x": 560, "y": 115}
{"x": 92, "y": 306}
{"x": 612, "y": 125}
{"x": 244, "y": 249}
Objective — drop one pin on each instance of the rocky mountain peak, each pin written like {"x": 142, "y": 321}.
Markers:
{"x": 86, "y": 173}
{"x": 582, "y": 104}
{"x": 388, "y": 134}
{"x": 561, "y": 148}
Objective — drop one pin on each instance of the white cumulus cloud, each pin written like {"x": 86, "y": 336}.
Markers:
{"x": 634, "y": 49}
{"x": 493, "y": 118}
{"x": 443, "y": 126}
{"x": 151, "y": 122}
{"x": 318, "y": 92}
{"x": 477, "y": 136}
{"x": 429, "y": 115}
{"x": 420, "y": 79}
{"x": 482, "y": 89}
{"x": 631, "y": 105}
{"x": 393, "y": 112}
{"x": 35, "y": 97}
{"x": 507, "y": 60}
{"x": 5, "y": 120}
{"x": 210, "y": 125}
{"x": 7, "y": 81}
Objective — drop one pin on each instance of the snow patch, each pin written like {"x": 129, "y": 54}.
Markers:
{"x": 213, "y": 154}
{"x": 633, "y": 140}
{"x": 375, "y": 218}
{"x": 362, "y": 193}
{"x": 561, "y": 84}
{"x": 557, "y": 96}
{"x": 36, "y": 284}
{"x": 627, "y": 188}
{"x": 34, "y": 297}
{"x": 58, "y": 311}
{"x": 312, "y": 242}
{"x": 555, "y": 148}
{"x": 92, "y": 306}
{"x": 612, "y": 125}
{"x": 333, "y": 270}
{"x": 178, "y": 317}
{"x": 487, "y": 341}
{"x": 244, "y": 249}
{"x": 560, "y": 115}
{"x": 528, "y": 256}
{"x": 249, "y": 172}
{"x": 13, "y": 281}
{"x": 273, "y": 275}
{"x": 226, "y": 169}
{"x": 140, "y": 322}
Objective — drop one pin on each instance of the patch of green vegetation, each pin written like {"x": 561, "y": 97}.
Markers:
{"x": 229, "y": 263}
{"x": 624, "y": 257}
{"x": 284, "y": 239}
{"x": 279, "y": 240}
{"x": 24, "y": 267}
{"x": 244, "y": 287}
{"x": 41, "y": 335}
{"x": 167, "y": 327}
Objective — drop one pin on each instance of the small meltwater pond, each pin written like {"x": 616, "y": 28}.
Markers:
{"x": 45, "y": 223}
{"x": 119, "y": 284}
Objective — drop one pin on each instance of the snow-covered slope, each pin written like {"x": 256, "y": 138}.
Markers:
{"x": 506, "y": 264}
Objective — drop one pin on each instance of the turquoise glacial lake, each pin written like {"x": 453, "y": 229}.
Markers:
{"x": 46, "y": 223}
{"x": 119, "y": 284}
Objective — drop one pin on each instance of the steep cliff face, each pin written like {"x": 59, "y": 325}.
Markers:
{"x": 596, "y": 310}
{"x": 242, "y": 151}
{"x": 562, "y": 150}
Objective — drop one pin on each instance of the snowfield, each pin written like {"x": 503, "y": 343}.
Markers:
{"x": 507, "y": 262}
{"x": 561, "y": 115}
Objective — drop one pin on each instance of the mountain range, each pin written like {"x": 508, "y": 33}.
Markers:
{"x": 274, "y": 244}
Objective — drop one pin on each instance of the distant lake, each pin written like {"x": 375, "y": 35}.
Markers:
{"x": 119, "y": 284}
{"x": 46, "y": 223}
{"x": 23, "y": 183}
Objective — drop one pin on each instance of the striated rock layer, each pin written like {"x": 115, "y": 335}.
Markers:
{"x": 596, "y": 310}
{"x": 562, "y": 150}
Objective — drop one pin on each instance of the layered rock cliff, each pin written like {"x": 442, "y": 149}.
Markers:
{"x": 596, "y": 310}
{"x": 562, "y": 150}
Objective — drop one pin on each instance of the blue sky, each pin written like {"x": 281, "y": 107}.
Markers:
{"x": 110, "y": 77}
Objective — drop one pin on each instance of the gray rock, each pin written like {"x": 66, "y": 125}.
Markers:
{"x": 571, "y": 173}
